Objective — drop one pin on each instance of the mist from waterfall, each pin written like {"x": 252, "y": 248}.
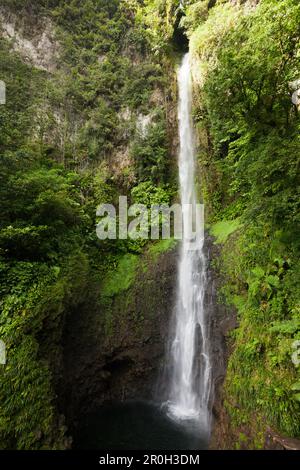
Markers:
{"x": 189, "y": 364}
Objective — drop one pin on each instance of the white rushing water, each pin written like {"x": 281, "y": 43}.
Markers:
{"x": 189, "y": 356}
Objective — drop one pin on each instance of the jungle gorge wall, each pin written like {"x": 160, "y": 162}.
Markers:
{"x": 90, "y": 115}
{"x": 114, "y": 348}
{"x": 245, "y": 57}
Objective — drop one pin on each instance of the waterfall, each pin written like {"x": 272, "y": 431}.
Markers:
{"x": 189, "y": 353}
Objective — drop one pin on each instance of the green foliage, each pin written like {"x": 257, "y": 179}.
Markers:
{"x": 251, "y": 111}
{"x": 150, "y": 153}
{"x": 122, "y": 276}
{"x": 245, "y": 60}
{"x": 223, "y": 229}
{"x": 162, "y": 246}
{"x": 116, "y": 287}
{"x": 261, "y": 281}
{"x": 196, "y": 12}
{"x": 35, "y": 298}
{"x": 149, "y": 195}
{"x": 59, "y": 137}
{"x": 27, "y": 411}
{"x": 24, "y": 86}
{"x": 159, "y": 16}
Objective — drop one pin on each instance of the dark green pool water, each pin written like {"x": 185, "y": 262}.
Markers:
{"x": 136, "y": 426}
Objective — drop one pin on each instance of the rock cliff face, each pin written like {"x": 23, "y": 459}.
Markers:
{"x": 100, "y": 368}
{"x": 35, "y": 43}
{"x": 222, "y": 321}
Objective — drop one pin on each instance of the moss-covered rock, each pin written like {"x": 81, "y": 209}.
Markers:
{"x": 114, "y": 349}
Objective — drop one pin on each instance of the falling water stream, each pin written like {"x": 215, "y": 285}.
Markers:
{"x": 186, "y": 422}
{"x": 189, "y": 355}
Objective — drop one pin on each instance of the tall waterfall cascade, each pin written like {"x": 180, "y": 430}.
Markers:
{"x": 189, "y": 363}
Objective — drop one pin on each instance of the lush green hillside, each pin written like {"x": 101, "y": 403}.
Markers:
{"x": 244, "y": 61}
{"x": 71, "y": 137}
{"x": 69, "y": 140}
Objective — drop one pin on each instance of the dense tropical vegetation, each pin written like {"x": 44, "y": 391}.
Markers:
{"x": 74, "y": 137}
{"x": 245, "y": 61}
{"x": 59, "y": 133}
